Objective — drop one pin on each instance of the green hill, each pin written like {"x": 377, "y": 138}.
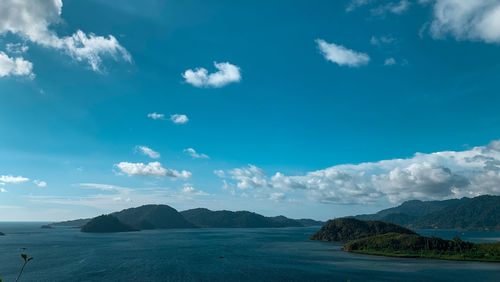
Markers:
{"x": 479, "y": 213}
{"x": 413, "y": 245}
{"x": 347, "y": 229}
{"x": 106, "y": 224}
{"x": 153, "y": 217}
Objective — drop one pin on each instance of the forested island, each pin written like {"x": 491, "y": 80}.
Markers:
{"x": 149, "y": 217}
{"x": 480, "y": 213}
{"x": 388, "y": 239}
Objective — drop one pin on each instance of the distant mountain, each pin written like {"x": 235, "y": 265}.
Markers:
{"x": 310, "y": 222}
{"x": 479, "y": 213}
{"x": 410, "y": 210}
{"x": 241, "y": 219}
{"x": 72, "y": 223}
{"x": 153, "y": 217}
{"x": 106, "y": 224}
{"x": 165, "y": 217}
{"x": 347, "y": 229}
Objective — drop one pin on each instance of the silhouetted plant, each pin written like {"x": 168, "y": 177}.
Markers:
{"x": 26, "y": 260}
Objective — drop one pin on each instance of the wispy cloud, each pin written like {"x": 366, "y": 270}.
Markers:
{"x": 192, "y": 152}
{"x": 156, "y": 116}
{"x": 179, "y": 119}
{"x": 342, "y": 56}
{"x": 389, "y": 62}
{"x": 226, "y": 73}
{"x": 148, "y": 152}
{"x": 40, "y": 183}
{"x": 151, "y": 169}
{"x": 33, "y": 19}
{"x": 13, "y": 179}
{"x": 190, "y": 190}
{"x": 392, "y": 7}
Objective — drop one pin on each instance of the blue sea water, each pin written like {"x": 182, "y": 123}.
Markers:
{"x": 281, "y": 254}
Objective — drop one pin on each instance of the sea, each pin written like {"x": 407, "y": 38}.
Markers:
{"x": 222, "y": 254}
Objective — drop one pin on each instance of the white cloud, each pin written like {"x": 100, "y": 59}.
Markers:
{"x": 13, "y": 179}
{"x": 354, "y": 4}
{"x": 179, "y": 119}
{"x": 156, "y": 116}
{"x": 33, "y": 19}
{"x": 389, "y": 62}
{"x": 226, "y": 73}
{"x": 150, "y": 169}
{"x": 148, "y": 152}
{"x": 192, "y": 152}
{"x": 277, "y": 196}
{"x": 16, "y": 48}
{"x": 382, "y": 40}
{"x": 435, "y": 176}
{"x": 192, "y": 191}
{"x": 220, "y": 173}
{"x": 392, "y": 7}
{"x": 341, "y": 55}
{"x": 40, "y": 183}
{"x": 467, "y": 20}
{"x": 15, "y": 66}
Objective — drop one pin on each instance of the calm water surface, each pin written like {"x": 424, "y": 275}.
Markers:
{"x": 65, "y": 254}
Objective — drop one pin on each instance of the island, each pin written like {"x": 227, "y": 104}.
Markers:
{"x": 2, "y": 234}
{"x": 389, "y": 239}
{"x": 347, "y": 229}
{"x": 416, "y": 246}
{"x": 149, "y": 217}
{"x": 47, "y": 226}
{"x": 106, "y": 224}
{"x": 479, "y": 213}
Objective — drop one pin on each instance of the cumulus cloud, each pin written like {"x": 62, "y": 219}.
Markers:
{"x": 226, "y": 73}
{"x": 435, "y": 176}
{"x": 15, "y": 66}
{"x": 32, "y": 20}
{"x": 466, "y": 20}
{"x": 179, "y": 119}
{"x": 340, "y": 55}
{"x": 192, "y": 152}
{"x": 40, "y": 183}
{"x": 156, "y": 116}
{"x": 148, "y": 152}
{"x": 151, "y": 169}
{"x": 389, "y": 62}
{"x": 13, "y": 179}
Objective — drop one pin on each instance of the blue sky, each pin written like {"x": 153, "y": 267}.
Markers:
{"x": 302, "y": 108}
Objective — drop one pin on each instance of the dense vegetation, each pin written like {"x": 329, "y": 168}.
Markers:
{"x": 479, "y": 213}
{"x": 241, "y": 219}
{"x": 165, "y": 217}
{"x": 106, "y": 224}
{"x": 153, "y": 217}
{"x": 413, "y": 245}
{"x": 347, "y": 229}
